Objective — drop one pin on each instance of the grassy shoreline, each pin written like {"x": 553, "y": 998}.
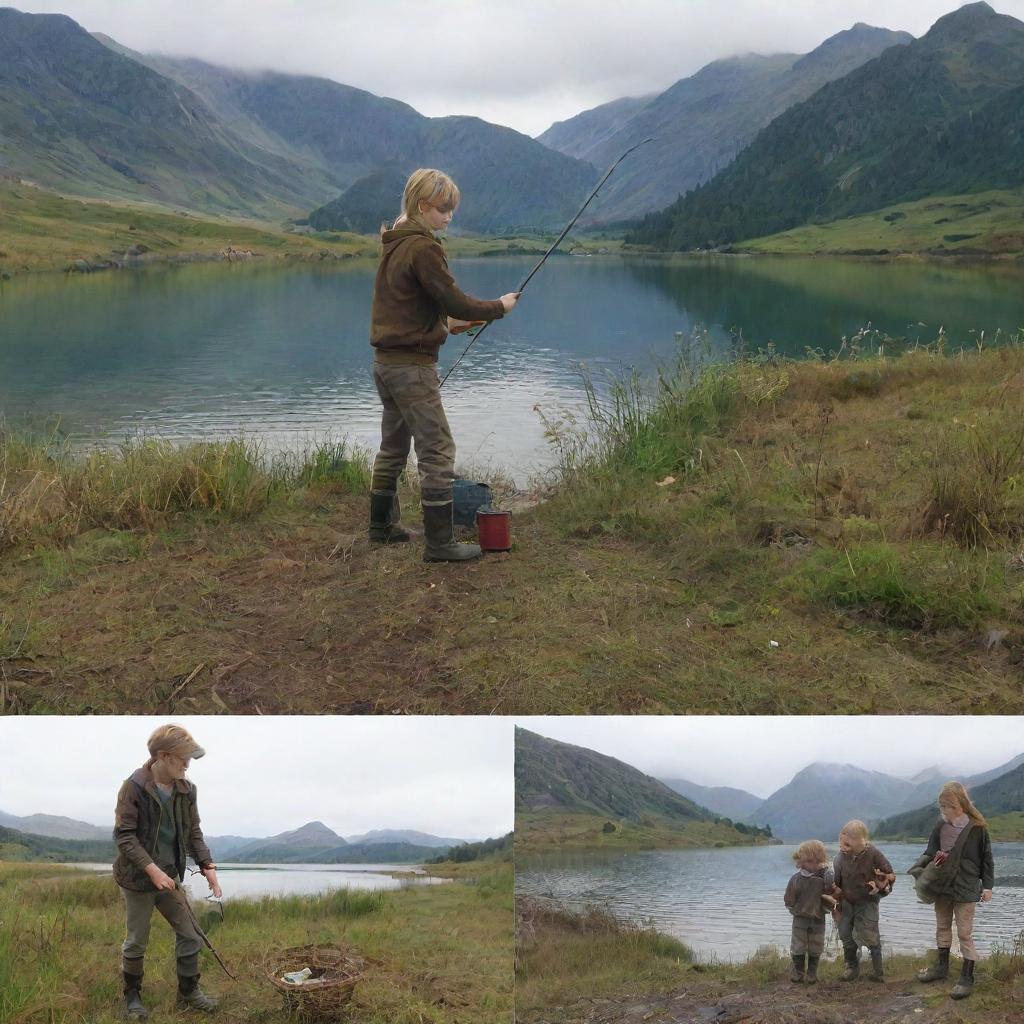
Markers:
{"x": 444, "y": 951}
{"x": 573, "y": 968}
{"x": 835, "y": 535}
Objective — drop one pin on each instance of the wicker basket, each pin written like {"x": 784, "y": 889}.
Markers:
{"x": 336, "y": 971}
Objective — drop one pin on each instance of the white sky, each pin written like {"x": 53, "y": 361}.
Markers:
{"x": 260, "y": 776}
{"x": 761, "y": 754}
{"x": 524, "y": 65}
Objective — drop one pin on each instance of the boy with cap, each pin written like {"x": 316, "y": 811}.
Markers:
{"x": 156, "y": 826}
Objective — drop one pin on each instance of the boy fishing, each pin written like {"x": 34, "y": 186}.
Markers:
{"x": 416, "y": 305}
{"x": 156, "y": 827}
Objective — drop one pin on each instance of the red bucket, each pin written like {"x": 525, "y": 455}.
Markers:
{"x": 495, "y": 530}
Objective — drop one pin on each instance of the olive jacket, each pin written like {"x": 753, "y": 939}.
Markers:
{"x": 415, "y": 293}
{"x": 976, "y": 871}
{"x": 137, "y": 828}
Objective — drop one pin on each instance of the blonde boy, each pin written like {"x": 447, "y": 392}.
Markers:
{"x": 864, "y": 876}
{"x": 156, "y": 826}
{"x": 809, "y": 897}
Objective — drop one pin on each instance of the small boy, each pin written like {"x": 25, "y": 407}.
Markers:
{"x": 809, "y": 897}
{"x": 863, "y": 876}
{"x": 156, "y": 826}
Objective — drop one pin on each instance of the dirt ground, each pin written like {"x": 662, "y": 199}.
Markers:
{"x": 829, "y": 1002}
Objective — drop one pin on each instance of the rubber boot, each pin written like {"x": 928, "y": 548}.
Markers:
{"x": 797, "y": 974}
{"x": 962, "y": 989}
{"x": 812, "y": 969}
{"x": 939, "y": 970}
{"x": 439, "y": 530}
{"x": 190, "y": 994}
{"x": 851, "y": 954}
{"x": 877, "y": 974}
{"x": 133, "y": 1005}
{"x": 385, "y": 512}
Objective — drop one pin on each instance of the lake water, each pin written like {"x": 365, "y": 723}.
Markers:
{"x": 726, "y": 903}
{"x": 240, "y": 881}
{"x": 281, "y": 354}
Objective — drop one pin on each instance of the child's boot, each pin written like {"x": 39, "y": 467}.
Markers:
{"x": 797, "y": 974}
{"x": 962, "y": 989}
{"x": 877, "y": 974}
{"x": 385, "y": 512}
{"x": 190, "y": 994}
{"x": 851, "y": 954}
{"x": 938, "y": 970}
{"x": 439, "y": 530}
{"x": 133, "y": 1005}
{"x": 812, "y": 969}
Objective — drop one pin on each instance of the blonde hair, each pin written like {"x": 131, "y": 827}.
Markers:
{"x": 175, "y": 739}
{"x": 812, "y": 850}
{"x": 856, "y": 827}
{"x": 431, "y": 186}
{"x": 957, "y": 791}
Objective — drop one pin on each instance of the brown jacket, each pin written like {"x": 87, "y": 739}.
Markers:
{"x": 415, "y": 293}
{"x": 137, "y": 827}
{"x": 854, "y": 872}
{"x": 803, "y": 894}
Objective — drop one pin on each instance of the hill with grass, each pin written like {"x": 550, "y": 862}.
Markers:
{"x": 55, "y": 826}
{"x": 18, "y": 845}
{"x": 940, "y": 115}
{"x": 569, "y": 795}
{"x": 1000, "y": 796}
{"x": 700, "y": 123}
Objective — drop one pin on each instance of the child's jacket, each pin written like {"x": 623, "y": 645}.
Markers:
{"x": 415, "y": 293}
{"x": 970, "y": 868}
{"x": 854, "y": 872}
{"x": 137, "y": 826}
{"x": 804, "y": 892}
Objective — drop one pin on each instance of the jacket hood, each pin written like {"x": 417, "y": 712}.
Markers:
{"x": 394, "y": 235}
{"x": 143, "y": 778}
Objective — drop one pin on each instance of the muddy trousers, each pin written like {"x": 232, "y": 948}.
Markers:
{"x": 808, "y": 936}
{"x": 859, "y": 924}
{"x": 139, "y": 907}
{"x": 945, "y": 912}
{"x": 413, "y": 413}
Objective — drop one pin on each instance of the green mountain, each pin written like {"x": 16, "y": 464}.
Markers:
{"x": 17, "y": 845}
{"x": 78, "y": 116}
{"x": 942, "y": 113}
{"x": 364, "y": 144}
{"x": 499, "y": 849}
{"x": 700, "y": 123}
{"x": 1002, "y": 795}
{"x": 54, "y": 825}
{"x": 564, "y": 791}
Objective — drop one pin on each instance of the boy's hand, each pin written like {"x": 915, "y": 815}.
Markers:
{"x": 509, "y": 300}
{"x": 460, "y": 326}
{"x": 210, "y": 874}
{"x": 986, "y": 895}
{"x": 160, "y": 879}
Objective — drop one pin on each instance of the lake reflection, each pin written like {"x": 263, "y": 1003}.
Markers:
{"x": 726, "y": 903}
{"x": 281, "y": 354}
{"x": 240, "y": 881}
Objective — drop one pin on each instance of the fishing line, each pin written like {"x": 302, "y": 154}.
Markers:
{"x": 543, "y": 258}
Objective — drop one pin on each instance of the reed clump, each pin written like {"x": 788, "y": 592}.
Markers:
{"x": 51, "y": 491}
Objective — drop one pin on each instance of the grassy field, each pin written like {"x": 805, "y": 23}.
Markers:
{"x": 982, "y": 223}
{"x": 834, "y": 536}
{"x": 1007, "y": 828}
{"x": 538, "y": 831}
{"x": 444, "y": 952}
{"x": 43, "y": 231}
{"x": 588, "y": 967}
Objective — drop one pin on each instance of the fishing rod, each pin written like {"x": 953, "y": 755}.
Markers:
{"x": 543, "y": 258}
{"x": 182, "y": 898}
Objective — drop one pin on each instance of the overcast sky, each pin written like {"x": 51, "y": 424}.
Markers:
{"x": 523, "y": 64}
{"x": 260, "y": 776}
{"x": 762, "y": 754}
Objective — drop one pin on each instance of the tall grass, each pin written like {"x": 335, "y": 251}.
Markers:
{"x": 48, "y": 489}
